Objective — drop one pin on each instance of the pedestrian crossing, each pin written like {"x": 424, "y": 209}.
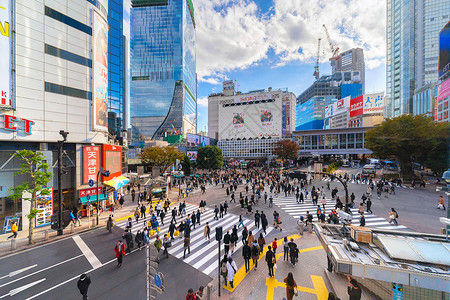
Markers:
{"x": 366, "y": 182}
{"x": 203, "y": 254}
{"x": 289, "y": 205}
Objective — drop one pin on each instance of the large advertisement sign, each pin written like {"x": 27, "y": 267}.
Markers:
{"x": 266, "y": 118}
{"x": 192, "y": 155}
{"x": 373, "y": 103}
{"x": 112, "y": 161}
{"x": 44, "y": 204}
{"x": 193, "y": 140}
{"x": 356, "y": 106}
{"x": 91, "y": 163}
{"x": 100, "y": 70}
{"x": 5, "y": 53}
{"x": 341, "y": 105}
{"x": 255, "y": 97}
{"x": 228, "y": 85}
{"x": 284, "y": 119}
{"x": 238, "y": 120}
{"x": 444, "y": 50}
{"x": 329, "y": 111}
{"x": 444, "y": 90}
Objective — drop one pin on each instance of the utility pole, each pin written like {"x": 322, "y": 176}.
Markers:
{"x": 60, "y": 173}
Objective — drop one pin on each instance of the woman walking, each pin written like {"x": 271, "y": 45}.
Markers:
{"x": 231, "y": 269}
{"x": 291, "y": 286}
{"x": 206, "y": 232}
{"x": 109, "y": 224}
{"x": 285, "y": 249}
{"x": 261, "y": 242}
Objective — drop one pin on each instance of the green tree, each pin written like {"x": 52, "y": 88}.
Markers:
{"x": 286, "y": 149}
{"x": 34, "y": 166}
{"x": 162, "y": 157}
{"x": 209, "y": 157}
{"x": 409, "y": 139}
{"x": 187, "y": 165}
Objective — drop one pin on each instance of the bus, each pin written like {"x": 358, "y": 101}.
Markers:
{"x": 369, "y": 169}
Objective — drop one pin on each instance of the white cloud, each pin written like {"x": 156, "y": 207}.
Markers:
{"x": 203, "y": 101}
{"x": 235, "y": 34}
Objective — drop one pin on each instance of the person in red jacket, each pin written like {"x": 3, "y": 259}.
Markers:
{"x": 120, "y": 252}
{"x": 191, "y": 295}
{"x": 274, "y": 246}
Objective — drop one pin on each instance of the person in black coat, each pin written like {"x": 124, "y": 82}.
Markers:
{"x": 128, "y": 237}
{"x": 83, "y": 285}
{"x": 226, "y": 241}
{"x": 270, "y": 259}
{"x": 247, "y": 254}
{"x": 353, "y": 289}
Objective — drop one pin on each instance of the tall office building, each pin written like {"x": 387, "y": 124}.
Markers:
{"x": 351, "y": 61}
{"x": 163, "y": 68}
{"x": 116, "y": 60}
{"x": 412, "y": 49}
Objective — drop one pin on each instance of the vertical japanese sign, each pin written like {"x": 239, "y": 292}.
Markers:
{"x": 5, "y": 53}
{"x": 284, "y": 119}
{"x": 100, "y": 70}
{"x": 91, "y": 163}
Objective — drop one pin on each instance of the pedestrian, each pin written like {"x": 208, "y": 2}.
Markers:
{"x": 241, "y": 220}
{"x": 234, "y": 235}
{"x": 187, "y": 241}
{"x": 207, "y": 232}
{"x": 293, "y": 252}
{"x": 14, "y": 230}
{"x": 172, "y": 230}
{"x": 143, "y": 211}
{"x": 285, "y": 248}
{"x": 353, "y": 289}
{"x": 137, "y": 214}
{"x": 257, "y": 218}
{"x": 291, "y": 286}
{"x": 83, "y": 285}
{"x": 226, "y": 241}
{"x": 72, "y": 218}
{"x": 274, "y": 246}
{"x": 264, "y": 222}
{"x": 221, "y": 210}
{"x": 158, "y": 245}
{"x": 162, "y": 215}
{"x": 109, "y": 224}
{"x": 369, "y": 205}
{"x": 271, "y": 260}
{"x": 216, "y": 212}
{"x": 193, "y": 219}
{"x": 393, "y": 215}
{"x": 200, "y": 293}
{"x": 167, "y": 244}
{"x": 128, "y": 237}
{"x": 191, "y": 295}
{"x": 361, "y": 208}
{"x": 223, "y": 268}
{"x": 244, "y": 235}
{"x": 247, "y": 254}
{"x": 129, "y": 223}
{"x": 198, "y": 216}
{"x": 174, "y": 214}
{"x": 441, "y": 203}
{"x": 139, "y": 239}
{"x": 261, "y": 242}
{"x": 133, "y": 195}
{"x": 362, "y": 220}
{"x": 120, "y": 252}
{"x": 231, "y": 270}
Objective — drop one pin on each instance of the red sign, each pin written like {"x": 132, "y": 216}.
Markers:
{"x": 340, "y": 103}
{"x": 356, "y": 106}
{"x": 111, "y": 161}
{"x": 11, "y": 123}
{"x": 91, "y": 191}
{"x": 91, "y": 163}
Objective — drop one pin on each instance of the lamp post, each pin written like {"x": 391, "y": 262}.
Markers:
{"x": 60, "y": 173}
{"x": 106, "y": 174}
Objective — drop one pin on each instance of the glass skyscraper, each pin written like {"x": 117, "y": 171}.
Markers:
{"x": 412, "y": 49}
{"x": 163, "y": 68}
{"x": 116, "y": 72}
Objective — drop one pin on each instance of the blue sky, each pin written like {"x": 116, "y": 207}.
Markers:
{"x": 273, "y": 43}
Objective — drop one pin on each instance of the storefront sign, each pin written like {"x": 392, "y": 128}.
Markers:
{"x": 5, "y": 53}
{"x": 91, "y": 163}
{"x": 12, "y": 123}
{"x": 111, "y": 161}
{"x": 91, "y": 191}
{"x": 43, "y": 203}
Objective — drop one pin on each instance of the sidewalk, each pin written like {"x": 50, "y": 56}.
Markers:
{"x": 45, "y": 234}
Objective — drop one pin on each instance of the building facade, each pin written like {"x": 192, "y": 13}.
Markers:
{"x": 163, "y": 68}
{"x": 311, "y": 114}
{"x": 54, "y": 71}
{"x": 351, "y": 61}
{"x": 248, "y": 148}
{"x": 423, "y": 100}
{"x": 412, "y": 49}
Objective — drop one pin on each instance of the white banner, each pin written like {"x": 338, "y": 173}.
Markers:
{"x": 255, "y": 97}
{"x": 373, "y": 103}
{"x": 100, "y": 69}
{"x": 5, "y": 53}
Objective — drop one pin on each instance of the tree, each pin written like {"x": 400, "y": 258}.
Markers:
{"x": 286, "y": 149}
{"x": 209, "y": 157}
{"x": 411, "y": 139}
{"x": 161, "y": 157}
{"x": 186, "y": 165}
{"x": 35, "y": 167}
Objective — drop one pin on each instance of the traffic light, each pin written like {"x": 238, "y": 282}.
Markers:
{"x": 219, "y": 233}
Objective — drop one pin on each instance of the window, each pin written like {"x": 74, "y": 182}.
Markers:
{"x": 49, "y": 49}
{"x": 67, "y": 20}
{"x": 68, "y": 91}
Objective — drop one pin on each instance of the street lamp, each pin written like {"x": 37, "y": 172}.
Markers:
{"x": 106, "y": 174}
{"x": 60, "y": 173}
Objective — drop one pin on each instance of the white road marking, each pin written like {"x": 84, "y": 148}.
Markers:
{"x": 90, "y": 256}
{"x": 22, "y": 288}
{"x": 14, "y": 273}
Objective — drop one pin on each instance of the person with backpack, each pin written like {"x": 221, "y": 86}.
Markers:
{"x": 223, "y": 268}
{"x": 255, "y": 254}
{"x": 226, "y": 241}
{"x": 231, "y": 270}
{"x": 271, "y": 260}
{"x": 83, "y": 285}
{"x": 247, "y": 254}
{"x": 293, "y": 252}
{"x": 261, "y": 242}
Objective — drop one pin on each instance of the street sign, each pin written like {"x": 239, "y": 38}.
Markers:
{"x": 88, "y": 197}
{"x": 91, "y": 182}
{"x": 158, "y": 280}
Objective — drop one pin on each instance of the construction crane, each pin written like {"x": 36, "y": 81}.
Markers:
{"x": 174, "y": 130}
{"x": 316, "y": 67}
{"x": 334, "y": 48}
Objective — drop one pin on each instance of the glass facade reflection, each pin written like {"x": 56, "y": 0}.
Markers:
{"x": 163, "y": 67}
{"x": 115, "y": 67}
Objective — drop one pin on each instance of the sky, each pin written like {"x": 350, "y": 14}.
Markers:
{"x": 273, "y": 43}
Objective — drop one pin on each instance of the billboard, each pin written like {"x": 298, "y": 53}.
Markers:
{"x": 111, "y": 161}
{"x": 252, "y": 97}
{"x": 337, "y": 107}
{"x": 192, "y": 155}
{"x": 238, "y": 120}
{"x": 266, "y": 118}
{"x": 284, "y": 119}
{"x": 373, "y": 103}
{"x": 204, "y": 141}
{"x": 91, "y": 163}
{"x": 444, "y": 50}
{"x": 329, "y": 111}
{"x": 100, "y": 73}
{"x": 193, "y": 140}
{"x": 356, "y": 106}
{"x": 44, "y": 204}
{"x": 5, "y": 53}
{"x": 444, "y": 90}
{"x": 228, "y": 85}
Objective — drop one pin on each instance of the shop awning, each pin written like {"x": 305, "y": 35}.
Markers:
{"x": 117, "y": 182}
{"x": 93, "y": 198}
